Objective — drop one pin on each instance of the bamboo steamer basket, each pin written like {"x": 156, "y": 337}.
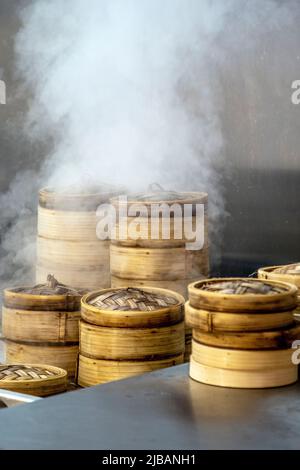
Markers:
{"x": 241, "y": 378}
{"x": 41, "y": 324}
{"x": 67, "y": 243}
{"x": 63, "y": 356}
{"x": 242, "y": 295}
{"x": 155, "y": 255}
{"x": 235, "y": 359}
{"x": 44, "y": 313}
{"x": 274, "y": 339}
{"x": 289, "y": 273}
{"x": 96, "y": 371}
{"x": 107, "y": 311}
{"x": 125, "y": 332}
{"x": 38, "y": 380}
{"x": 131, "y": 343}
{"x": 210, "y": 321}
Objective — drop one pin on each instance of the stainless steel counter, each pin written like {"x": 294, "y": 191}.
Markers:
{"x": 162, "y": 410}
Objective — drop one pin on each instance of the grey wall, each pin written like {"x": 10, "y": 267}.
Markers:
{"x": 261, "y": 162}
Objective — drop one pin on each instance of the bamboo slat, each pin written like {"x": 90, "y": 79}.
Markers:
{"x": 109, "y": 312}
{"x": 242, "y": 295}
{"x": 156, "y": 263}
{"x": 235, "y": 359}
{"x": 243, "y": 379}
{"x": 86, "y": 278}
{"x": 38, "y": 380}
{"x": 274, "y": 339}
{"x": 96, "y": 371}
{"x": 236, "y": 322}
{"x": 131, "y": 343}
{"x": 58, "y": 355}
{"x": 40, "y": 326}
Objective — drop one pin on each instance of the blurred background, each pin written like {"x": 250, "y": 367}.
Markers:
{"x": 262, "y": 141}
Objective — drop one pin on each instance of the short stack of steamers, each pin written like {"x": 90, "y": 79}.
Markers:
{"x": 41, "y": 325}
{"x": 126, "y": 332}
{"x": 243, "y": 330}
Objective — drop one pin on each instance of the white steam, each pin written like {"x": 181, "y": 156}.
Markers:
{"x": 129, "y": 92}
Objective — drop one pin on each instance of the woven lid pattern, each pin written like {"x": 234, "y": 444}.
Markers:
{"x": 15, "y": 372}
{"x": 289, "y": 269}
{"x": 243, "y": 287}
{"x": 132, "y": 299}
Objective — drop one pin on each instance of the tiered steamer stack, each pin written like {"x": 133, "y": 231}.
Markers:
{"x": 160, "y": 262}
{"x": 289, "y": 273}
{"x": 67, "y": 244}
{"x": 41, "y": 325}
{"x": 126, "y": 332}
{"x": 243, "y": 330}
{"x": 38, "y": 380}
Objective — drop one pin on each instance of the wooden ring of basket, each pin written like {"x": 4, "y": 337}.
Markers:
{"x": 236, "y": 359}
{"x": 96, "y": 371}
{"x": 39, "y": 379}
{"x": 274, "y": 339}
{"x": 269, "y": 274}
{"x": 15, "y": 298}
{"x": 243, "y": 379}
{"x": 40, "y": 326}
{"x": 221, "y": 321}
{"x": 133, "y": 318}
{"x": 220, "y": 302}
{"x": 131, "y": 343}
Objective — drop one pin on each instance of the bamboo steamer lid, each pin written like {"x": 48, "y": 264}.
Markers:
{"x": 180, "y": 286}
{"x": 73, "y": 198}
{"x": 44, "y": 297}
{"x": 131, "y": 343}
{"x": 96, "y": 371}
{"x": 38, "y": 380}
{"x": 274, "y": 339}
{"x": 59, "y": 355}
{"x": 289, "y": 273}
{"x": 157, "y": 195}
{"x": 132, "y": 307}
{"x": 235, "y": 359}
{"x": 242, "y": 295}
{"x": 243, "y": 379}
{"x": 236, "y": 322}
{"x": 44, "y": 313}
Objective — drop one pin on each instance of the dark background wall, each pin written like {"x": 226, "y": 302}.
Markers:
{"x": 262, "y": 141}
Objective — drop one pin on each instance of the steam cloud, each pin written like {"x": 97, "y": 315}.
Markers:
{"x": 126, "y": 92}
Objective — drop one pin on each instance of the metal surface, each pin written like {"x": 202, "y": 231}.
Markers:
{"x": 9, "y": 398}
{"x": 162, "y": 410}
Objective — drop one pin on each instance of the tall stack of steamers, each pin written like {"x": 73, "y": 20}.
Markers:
{"x": 243, "y": 330}
{"x": 104, "y": 310}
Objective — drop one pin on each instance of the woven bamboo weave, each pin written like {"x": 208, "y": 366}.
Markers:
{"x": 132, "y": 299}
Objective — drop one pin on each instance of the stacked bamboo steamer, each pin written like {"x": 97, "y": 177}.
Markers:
{"x": 243, "y": 330}
{"x": 38, "y": 380}
{"x": 159, "y": 262}
{"x": 67, "y": 244}
{"x": 41, "y": 325}
{"x": 126, "y": 332}
{"x": 289, "y": 273}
